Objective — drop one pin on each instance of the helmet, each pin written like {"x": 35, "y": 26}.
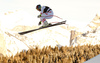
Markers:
{"x": 38, "y": 7}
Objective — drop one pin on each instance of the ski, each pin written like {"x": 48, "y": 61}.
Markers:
{"x": 59, "y": 23}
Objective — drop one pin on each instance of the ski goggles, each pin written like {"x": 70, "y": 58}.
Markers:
{"x": 38, "y": 7}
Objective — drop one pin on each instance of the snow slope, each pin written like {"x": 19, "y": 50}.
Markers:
{"x": 77, "y": 13}
{"x": 57, "y": 35}
{"x": 53, "y": 36}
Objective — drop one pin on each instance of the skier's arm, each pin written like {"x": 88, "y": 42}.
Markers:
{"x": 42, "y": 12}
{"x": 39, "y": 16}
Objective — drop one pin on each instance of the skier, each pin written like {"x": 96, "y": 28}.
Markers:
{"x": 45, "y": 13}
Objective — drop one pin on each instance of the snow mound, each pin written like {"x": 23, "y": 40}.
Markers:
{"x": 18, "y": 21}
{"x": 89, "y": 34}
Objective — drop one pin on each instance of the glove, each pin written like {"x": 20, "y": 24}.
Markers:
{"x": 39, "y": 16}
{"x": 39, "y": 23}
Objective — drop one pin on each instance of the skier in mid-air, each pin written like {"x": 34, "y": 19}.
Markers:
{"x": 45, "y": 13}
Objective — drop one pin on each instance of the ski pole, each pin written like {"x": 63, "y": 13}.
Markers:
{"x": 57, "y": 16}
{"x": 52, "y": 15}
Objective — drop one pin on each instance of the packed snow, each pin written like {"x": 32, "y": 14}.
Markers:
{"x": 24, "y": 17}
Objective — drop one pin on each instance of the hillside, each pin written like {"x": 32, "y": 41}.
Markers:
{"x": 12, "y": 42}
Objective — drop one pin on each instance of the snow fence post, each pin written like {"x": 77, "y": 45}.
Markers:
{"x": 72, "y": 36}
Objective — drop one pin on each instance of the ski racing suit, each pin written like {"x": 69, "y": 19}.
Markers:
{"x": 46, "y": 13}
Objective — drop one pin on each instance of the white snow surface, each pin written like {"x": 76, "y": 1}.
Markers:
{"x": 23, "y": 13}
{"x": 14, "y": 20}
